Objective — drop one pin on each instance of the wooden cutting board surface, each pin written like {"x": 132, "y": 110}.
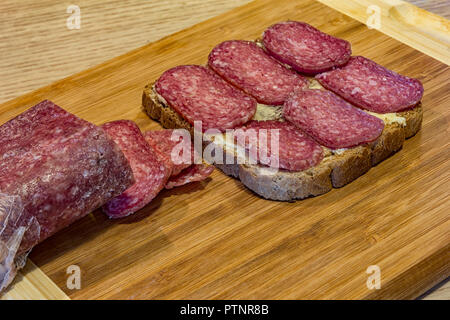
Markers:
{"x": 216, "y": 239}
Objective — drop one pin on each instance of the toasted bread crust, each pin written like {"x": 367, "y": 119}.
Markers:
{"x": 349, "y": 165}
{"x": 279, "y": 184}
{"x": 389, "y": 142}
{"x": 414, "y": 119}
{"x": 336, "y": 169}
{"x": 158, "y": 111}
{"x": 287, "y": 186}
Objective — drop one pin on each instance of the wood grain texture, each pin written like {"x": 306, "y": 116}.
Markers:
{"x": 440, "y": 292}
{"x": 17, "y": 292}
{"x": 36, "y": 47}
{"x": 216, "y": 239}
{"x": 33, "y": 284}
{"x": 439, "y": 7}
{"x": 407, "y": 23}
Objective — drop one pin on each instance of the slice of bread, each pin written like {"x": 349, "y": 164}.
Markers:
{"x": 338, "y": 167}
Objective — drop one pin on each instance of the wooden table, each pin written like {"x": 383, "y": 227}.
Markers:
{"x": 37, "y": 48}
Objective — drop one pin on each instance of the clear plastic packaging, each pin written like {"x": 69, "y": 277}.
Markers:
{"x": 12, "y": 231}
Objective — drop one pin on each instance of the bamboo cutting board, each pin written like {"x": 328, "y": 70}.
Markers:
{"x": 218, "y": 240}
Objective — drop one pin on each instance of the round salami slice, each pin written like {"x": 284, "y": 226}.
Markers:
{"x": 296, "y": 151}
{"x": 149, "y": 172}
{"x": 196, "y": 172}
{"x": 372, "y": 87}
{"x": 249, "y": 68}
{"x": 198, "y": 94}
{"x": 305, "y": 48}
{"x": 330, "y": 120}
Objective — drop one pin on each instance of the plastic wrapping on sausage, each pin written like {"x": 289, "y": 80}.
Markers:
{"x": 12, "y": 230}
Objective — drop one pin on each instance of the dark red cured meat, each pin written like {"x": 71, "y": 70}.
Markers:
{"x": 149, "y": 172}
{"x": 248, "y": 67}
{"x": 372, "y": 87}
{"x": 296, "y": 151}
{"x": 161, "y": 141}
{"x": 330, "y": 120}
{"x": 183, "y": 169}
{"x": 305, "y": 48}
{"x": 59, "y": 167}
{"x": 196, "y": 172}
{"x": 198, "y": 94}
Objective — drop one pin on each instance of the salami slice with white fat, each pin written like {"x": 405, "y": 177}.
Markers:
{"x": 330, "y": 120}
{"x": 149, "y": 171}
{"x": 296, "y": 150}
{"x": 305, "y": 48}
{"x": 370, "y": 86}
{"x": 164, "y": 143}
{"x": 196, "y": 172}
{"x": 198, "y": 94}
{"x": 248, "y": 67}
{"x": 170, "y": 146}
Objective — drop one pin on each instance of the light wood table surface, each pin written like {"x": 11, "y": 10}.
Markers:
{"x": 37, "y": 48}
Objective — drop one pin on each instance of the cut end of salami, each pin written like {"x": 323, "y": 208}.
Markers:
{"x": 372, "y": 87}
{"x": 175, "y": 149}
{"x": 330, "y": 120}
{"x": 149, "y": 172}
{"x": 198, "y": 94}
{"x": 279, "y": 144}
{"x": 305, "y": 48}
{"x": 245, "y": 65}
